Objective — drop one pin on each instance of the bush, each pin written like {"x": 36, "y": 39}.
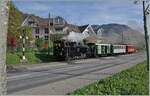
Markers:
{"x": 39, "y": 43}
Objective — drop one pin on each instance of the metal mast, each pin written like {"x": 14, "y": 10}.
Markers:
{"x": 49, "y": 35}
{"x": 145, "y": 12}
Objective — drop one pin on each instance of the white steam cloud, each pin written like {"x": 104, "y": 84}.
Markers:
{"x": 74, "y": 36}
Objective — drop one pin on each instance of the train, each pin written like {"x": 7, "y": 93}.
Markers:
{"x": 76, "y": 50}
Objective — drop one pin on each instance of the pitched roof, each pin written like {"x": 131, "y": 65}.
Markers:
{"x": 95, "y": 28}
{"x": 43, "y": 22}
{"x": 72, "y": 27}
{"x": 82, "y": 28}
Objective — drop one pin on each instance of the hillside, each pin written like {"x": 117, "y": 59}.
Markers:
{"x": 119, "y": 33}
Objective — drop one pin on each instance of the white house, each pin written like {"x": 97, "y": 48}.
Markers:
{"x": 88, "y": 32}
{"x": 40, "y": 26}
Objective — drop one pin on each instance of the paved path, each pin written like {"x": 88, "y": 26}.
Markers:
{"x": 64, "y": 78}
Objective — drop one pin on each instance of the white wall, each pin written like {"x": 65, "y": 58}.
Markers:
{"x": 74, "y": 36}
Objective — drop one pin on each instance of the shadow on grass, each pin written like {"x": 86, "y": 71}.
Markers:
{"x": 45, "y": 57}
{"x": 19, "y": 55}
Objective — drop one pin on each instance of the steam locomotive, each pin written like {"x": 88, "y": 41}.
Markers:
{"x": 74, "y": 50}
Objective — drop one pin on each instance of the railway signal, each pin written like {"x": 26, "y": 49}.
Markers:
{"x": 24, "y": 38}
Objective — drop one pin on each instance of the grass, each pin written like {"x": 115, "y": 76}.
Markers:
{"x": 32, "y": 57}
{"x": 133, "y": 81}
{"x": 12, "y": 58}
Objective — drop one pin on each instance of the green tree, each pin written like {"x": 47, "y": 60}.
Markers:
{"x": 39, "y": 43}
{"x": 28, "y": 35}
{"x": 28, "y": 32}
{"x": 15, "y": 21}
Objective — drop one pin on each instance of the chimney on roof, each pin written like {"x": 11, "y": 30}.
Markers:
{"x": 49, "y": 15}
{"x": 50, "y": 20}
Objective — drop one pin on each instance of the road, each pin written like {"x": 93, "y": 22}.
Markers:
{"x": 64, "y": 78}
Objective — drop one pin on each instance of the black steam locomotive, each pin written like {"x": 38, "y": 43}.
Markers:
{"x": 64, "y": 50}
{"x": 74, "y": 50}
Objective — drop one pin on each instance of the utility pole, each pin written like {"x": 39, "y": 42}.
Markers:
{"x": 122, "y": 38}
{"x": 50, "y": 25}
{"x": 4, "y": 10}
{"x": 145, "y": 13}
{"x": 49, "y": 17}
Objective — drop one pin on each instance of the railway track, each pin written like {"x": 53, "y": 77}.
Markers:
{"x": 49, "y": 75}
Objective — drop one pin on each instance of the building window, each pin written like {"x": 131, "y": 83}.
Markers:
{"x": 51, "y": 24}
{"x": 31, "y": 22}
{"x": 37, "y": 37}
{"x": 59, "y": 29}
{"x": 59, "y": 20}
{"x": 37, "y": 31}
{"x": 46, "y": 37}
{"x": 37, "y": 25}
{"x": 46, "y": 31}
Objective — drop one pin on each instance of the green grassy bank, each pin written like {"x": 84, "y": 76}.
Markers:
{"x": 133, "y": 81}
{"x": 32, "y": 57}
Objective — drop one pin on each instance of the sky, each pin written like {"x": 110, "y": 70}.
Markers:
{"x": 85, "y": 11}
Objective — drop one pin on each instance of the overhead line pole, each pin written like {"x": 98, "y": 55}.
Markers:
{"x": 146, "y": 32}
{"x": 49, "y": 38}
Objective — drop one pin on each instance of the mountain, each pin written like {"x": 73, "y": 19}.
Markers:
{"x": 120, "y": 33}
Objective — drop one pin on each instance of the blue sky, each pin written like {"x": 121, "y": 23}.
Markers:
{"x": 85, "y": 11}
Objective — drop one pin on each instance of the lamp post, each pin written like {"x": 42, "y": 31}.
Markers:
{"x": 24, "y": 38}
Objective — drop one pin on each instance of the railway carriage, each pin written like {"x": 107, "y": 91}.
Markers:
{"x": 103, "y": 49}
{"x": 130, "y": 49}
{"x": 119, "y": 49}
